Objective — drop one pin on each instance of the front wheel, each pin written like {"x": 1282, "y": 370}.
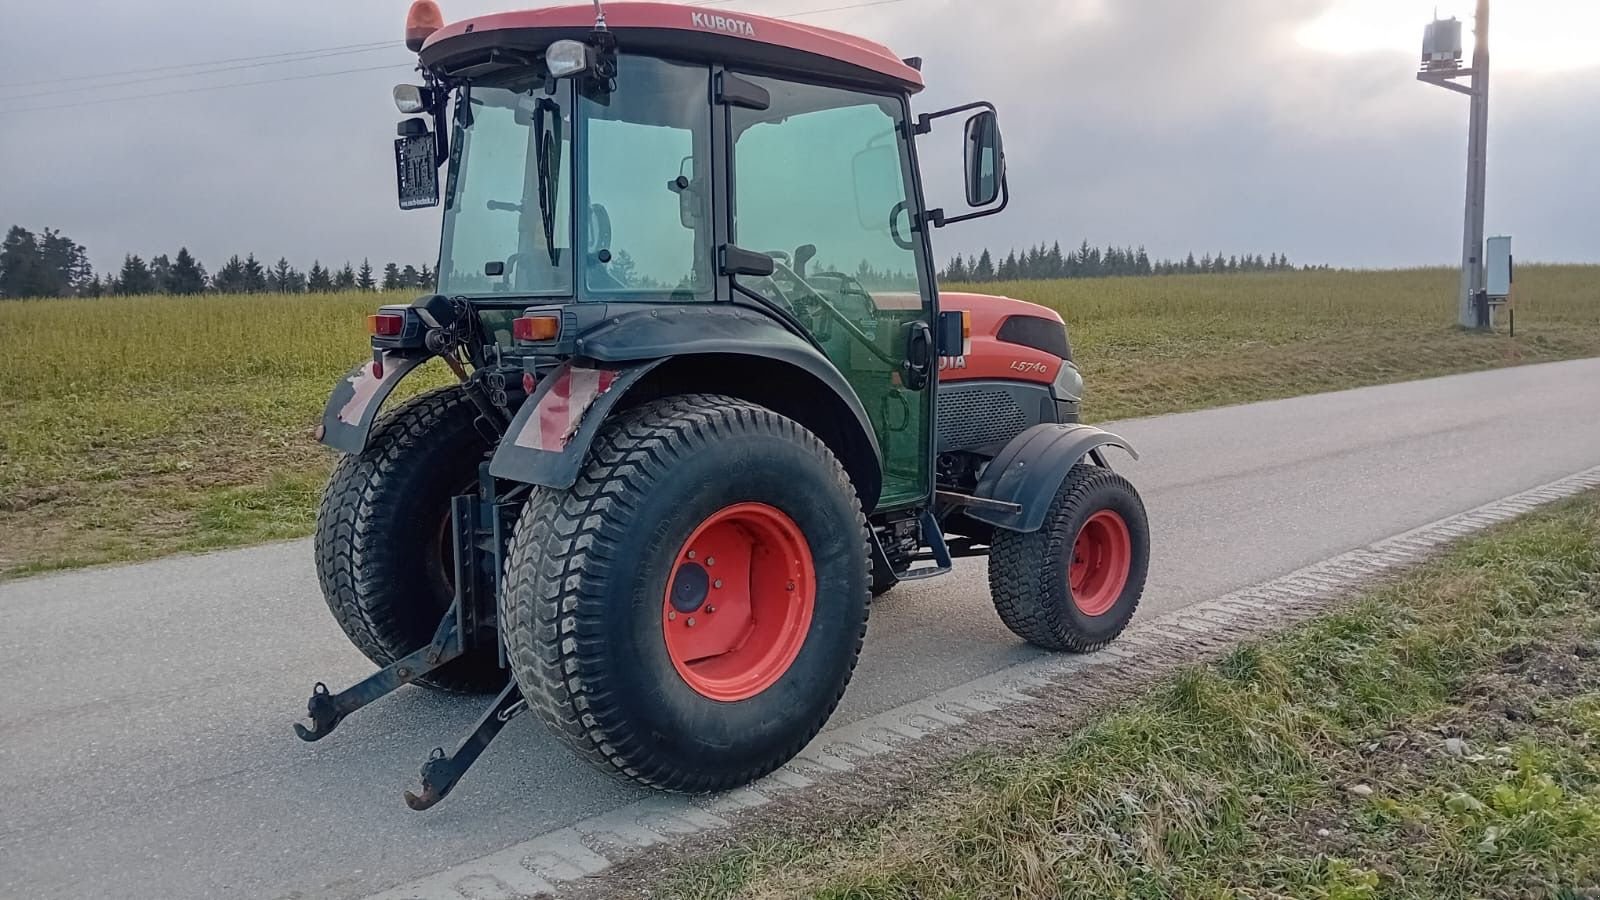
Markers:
{"x": 1075, "y": 583}
{"x": 688, "y": 614}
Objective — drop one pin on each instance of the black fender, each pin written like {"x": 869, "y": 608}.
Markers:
{"x": 1027, "y": 474}
{"x": 356, "y": 399}
{"x": 682, "y": 344}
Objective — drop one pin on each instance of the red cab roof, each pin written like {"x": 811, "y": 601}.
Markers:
{"x": 693, "y": 31}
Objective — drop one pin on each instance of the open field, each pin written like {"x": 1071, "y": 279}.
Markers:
{"x": 1438, "y": 737}
{"x": 135, "y": 427}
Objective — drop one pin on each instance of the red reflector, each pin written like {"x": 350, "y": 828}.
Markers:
{"x": 536, "y": 328}
{"x": 386, "y": 324}
{"x": 529, "y": 382}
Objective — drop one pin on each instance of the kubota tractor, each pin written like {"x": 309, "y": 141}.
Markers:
{"x": 711, "y": 399}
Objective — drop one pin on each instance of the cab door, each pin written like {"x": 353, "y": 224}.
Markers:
{"x": 822, "y": 181}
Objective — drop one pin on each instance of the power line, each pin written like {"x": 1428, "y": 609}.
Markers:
{"x": 209, "y": 87}
{"x": 387, "y": 45}
{"x": 356, "y": 48}
{"x": 194, "y": 65}
{"x": 239, "y": 84}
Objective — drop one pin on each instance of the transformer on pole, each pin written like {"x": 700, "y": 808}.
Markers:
{"x": 1441, "y": 65}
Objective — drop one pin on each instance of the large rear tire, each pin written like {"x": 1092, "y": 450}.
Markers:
{"x": 1075, "y": 583}
{"x": 383, "y": 542}
{"x": 688, "y": 614}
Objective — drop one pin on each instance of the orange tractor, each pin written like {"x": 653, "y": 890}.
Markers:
{"x": 711, "y": 397}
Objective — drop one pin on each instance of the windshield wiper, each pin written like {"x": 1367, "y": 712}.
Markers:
{"x": 543, "y": 145}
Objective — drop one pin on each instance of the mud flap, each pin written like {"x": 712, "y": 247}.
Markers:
{"x": 550, "y": 436}
{"x": 1030, "y": 469}
{"x": 354, "y": 404}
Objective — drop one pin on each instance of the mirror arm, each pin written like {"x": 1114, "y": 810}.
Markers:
{"x": 938, "y": 219}
{"x": 925, "y": 121}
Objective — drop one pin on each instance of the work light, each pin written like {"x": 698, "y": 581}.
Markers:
{"x": 565, "y": 58}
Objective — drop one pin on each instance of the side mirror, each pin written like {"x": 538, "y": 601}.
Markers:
{"x": 688, "y": 195}
{"x": 984, "y": 162}
{"x": 985, "y": 159}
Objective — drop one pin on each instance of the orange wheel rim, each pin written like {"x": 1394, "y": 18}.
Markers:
{"x": 1102, "y": 556}
{"x": 739, "y": 601}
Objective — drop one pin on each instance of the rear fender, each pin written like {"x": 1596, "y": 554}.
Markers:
{"x": 356, "y": 400}
{"x": 1030, "y": 470}
{"x": 550, "y": 436}
{"x": 691, "y": 348}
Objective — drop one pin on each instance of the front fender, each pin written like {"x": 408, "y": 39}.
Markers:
{"x": 551, "y": 433}
{"x": 354, "y": 404}
{"x": 1029, "y": 471}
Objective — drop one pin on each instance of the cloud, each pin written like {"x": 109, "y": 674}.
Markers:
{"x": 1178, "y": 125}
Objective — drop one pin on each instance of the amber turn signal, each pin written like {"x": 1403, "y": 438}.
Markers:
{"x": 532, "y": 329}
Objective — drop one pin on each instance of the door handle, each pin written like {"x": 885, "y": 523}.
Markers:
{"x": 919, "y": 356}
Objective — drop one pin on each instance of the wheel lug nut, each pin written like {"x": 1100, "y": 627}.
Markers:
{"x": 672, "y": 617}
{"x": 711, "y": 560}
{"x": 691, "y": 554}
{"x": 691, "y": 621}
{"x": 710, "y": 609}
{"x": 791, "y": 585}
{"x": 717, "y": 583}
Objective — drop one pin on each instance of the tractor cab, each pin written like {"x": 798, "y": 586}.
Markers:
{"x": 668, "y": 156}
{"x": 709, "y": 404}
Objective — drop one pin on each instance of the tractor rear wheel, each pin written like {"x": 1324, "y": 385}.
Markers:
{"x": 688, "y": 614}
{"x": 384, "y": 542}
{"x": 1075, "y": 583}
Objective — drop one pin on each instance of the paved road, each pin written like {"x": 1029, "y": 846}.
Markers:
{"x": 145, "y": 748}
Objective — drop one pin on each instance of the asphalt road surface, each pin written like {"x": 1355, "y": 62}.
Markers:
{"x": 145, "y": 747}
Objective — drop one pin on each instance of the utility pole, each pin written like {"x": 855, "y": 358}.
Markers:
{"x": 1439, "y": 70}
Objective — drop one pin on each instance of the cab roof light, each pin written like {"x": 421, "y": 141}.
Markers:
{"x": 566, "y": 58}
{"x": 410, "y": 99}
{"x": 422, "y": 21}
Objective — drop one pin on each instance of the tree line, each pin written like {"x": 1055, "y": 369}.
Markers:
{"x": 1047, "y": 262}
{"x": 50, "y": 264}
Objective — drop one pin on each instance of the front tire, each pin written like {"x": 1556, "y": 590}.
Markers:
{"x": 1075, "y": 583}
{"x": 383, "y": 536}
{"x": 688, "y": 615}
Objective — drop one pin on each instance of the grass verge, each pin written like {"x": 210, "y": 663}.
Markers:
{"x": 135, "y": 427}
{"x": 1436, "y": 738}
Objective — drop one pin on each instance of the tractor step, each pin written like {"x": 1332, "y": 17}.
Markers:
{"x": 938, "y": 552}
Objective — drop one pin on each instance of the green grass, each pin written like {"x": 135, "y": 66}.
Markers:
{"x": 134, "y": 427}
{"x": 1311, "y": 765}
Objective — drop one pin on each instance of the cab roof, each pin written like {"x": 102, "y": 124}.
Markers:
{"x": 486, "y": 43}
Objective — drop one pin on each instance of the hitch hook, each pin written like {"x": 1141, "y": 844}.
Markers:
{"x": 441, "y": 772}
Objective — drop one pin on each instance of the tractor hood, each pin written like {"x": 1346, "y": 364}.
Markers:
{"x": 1011, "y": 339}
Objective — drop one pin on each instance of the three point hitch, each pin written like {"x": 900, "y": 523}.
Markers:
{"x": 478, "y": 528}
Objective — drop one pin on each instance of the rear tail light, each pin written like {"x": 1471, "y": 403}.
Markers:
{"x": 534, "y": 329}
{"x": 386, "y": 325}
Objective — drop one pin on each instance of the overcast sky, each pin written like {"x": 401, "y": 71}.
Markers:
{"x": 1204, "y": 125}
